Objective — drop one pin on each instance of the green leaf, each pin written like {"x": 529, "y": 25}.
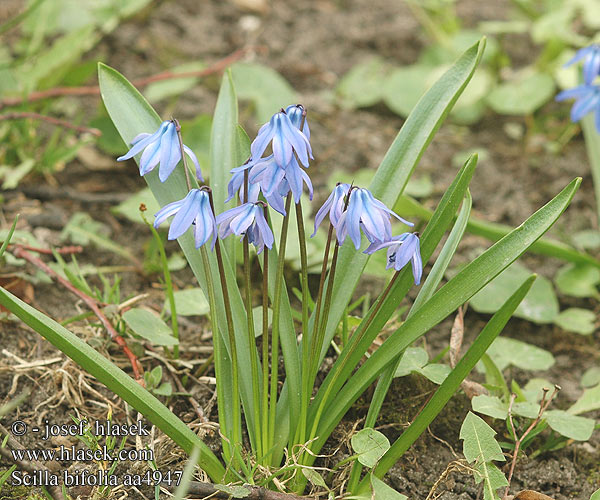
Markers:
{"x": 164, "y": 89}
{"x": 13, "y": 175}
{"x": 115, "y": 379}
{"x": 492, "y": 406}
{"x": 493, "y": 477}
{"x": 130, "y": 208}
{"x": 314, "y": 477}
{"x": 413, "y": 359}
{"x": 587, "y": 240}
{"x": 149, "y": 326}
{"x": 453, "y": 381}
{"x": 403, "y": 88}
{"x": 589, "y": 401}
{"x": 506, "y": 351}
{"x": 540, "y": 305}
{"x": 397, "y": 167}
{"x": 570, "y": 426}
{"x": 370, "y": 445}
{"x": 196, "y": 135}
{"x": 522, "y": 96}
{"x": 83, "y": 230}
{"x": 479, "y": 443}
{"x": 362, "y": 85}
{"x": 266, "y": 88}
{"x": 382, "y": 491}
{"x": 591, "y": 377}
{"x": 234, "y": 490}
{"x": 577, "y": 320}
{"x": 578, "y": 280}
{"x": 132, "y": 114}
{"x": 436, "y": 372}
{"x": 8, "y": 236}
{"x": 595, "y": 495}
{"x": 223, "y": 141}
{"x": 191, "y": 302}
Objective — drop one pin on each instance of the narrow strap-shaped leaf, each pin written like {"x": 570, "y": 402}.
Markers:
{"x": 592, "y": 145}
{"x": 443, "y": 260}
{"x": 452, "y": 382}
{"x": 398, "y": 165}
{"x": 454, "y": 293}
{"x": 494, "y": 231}
{"x": 115, "y": 379}
{"x": 439, "y": 223}
{"x": 132, "y": 114}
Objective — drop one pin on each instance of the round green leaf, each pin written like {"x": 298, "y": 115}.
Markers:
{"x": 505, "y": 351}
{"x": 540, "y": 305}
{"x": 492, "y": 406}
{"x": 577, "y": 320}
{"x": 591, "y": 377}
{"x": 370, "y": 445}
{"x": 190, "y": 302}
{"x": 404, "y": 87}
{"x": 570, "y": 426}
{"x": 578, "y": 280}
{"x": 149, "y": 326}
{"x": 413, "y": 359}
{"x": 522, "y": 96}
{"x": 362, "y": 85}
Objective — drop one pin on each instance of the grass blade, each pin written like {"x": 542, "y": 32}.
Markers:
{"x": 398, "y": 165}
{"x": 115, "y": 379}
{"x": 454, "y": 293}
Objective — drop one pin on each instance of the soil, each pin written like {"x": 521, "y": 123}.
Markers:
{"x": 312, "y": 44}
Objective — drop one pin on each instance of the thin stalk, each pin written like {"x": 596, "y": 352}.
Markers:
{"x": 353, "y": 342}
{"x": 306, "y": 391}
{"x": 265, "y": 345}
{"x": 252, "y": 337}
{"x": 275, "y": 328}
{"x": 236, "y": 433}
{"x": 218, "y": 349}
{"x": 183, "y": 157}
{"x": 168, "y": 285}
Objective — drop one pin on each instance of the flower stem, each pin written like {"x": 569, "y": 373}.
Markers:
{"x": 349, "y": 349}
{"x": 275, "y": 327}
{"x": 236, "y": 432}
{"x": 265, "y": 346}
{"x": 185, "y": 167}
{"x": 218, "y": 353}
{"x": 252, "y": 336}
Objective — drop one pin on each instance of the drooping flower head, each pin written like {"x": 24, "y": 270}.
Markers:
{"x": 194, "y": 209}
{"x": 368, "y": 214}
{"x": 334, "y": 205}
{"x": 160, "y": 147}
{"x": 587, "y": 99}
{"x": 591, "y": 62}
{"x": 286, "y": 139}
{"x": 297, "y": 113}
{"x": 266, "y": 176}
{"x": 247, "y": 219}
{"x": 402, "y": 249}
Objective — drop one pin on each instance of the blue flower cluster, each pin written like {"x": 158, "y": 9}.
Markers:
{"x": 587, "y": 95}
{"x": 351, "y": 209}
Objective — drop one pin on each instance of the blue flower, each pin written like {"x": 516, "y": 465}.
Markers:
{"x": 587, "y": 99}
{"x": 247, "y": 219}
{"x": 193, "y": 209}
{"x": 401, "y": 250}
{"x": 296, "y": 113}
{"x": 160, "y": 147}
{"x": 286, "y": 139}
{"x": 334, "y": 205}
{"x": 367, "y": 213}
{"x": 591, "y": 62}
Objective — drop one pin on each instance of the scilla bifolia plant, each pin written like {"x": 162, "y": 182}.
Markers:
{"x": 286, "y": 415}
